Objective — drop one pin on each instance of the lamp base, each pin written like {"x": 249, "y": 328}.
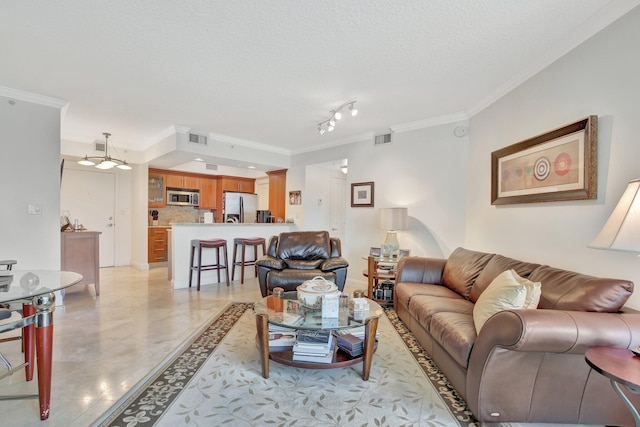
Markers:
{"x": 391, "y": 245}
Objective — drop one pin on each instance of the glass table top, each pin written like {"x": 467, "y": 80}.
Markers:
{"x": 22, "y": 284}
{"x": 291, "y": 313}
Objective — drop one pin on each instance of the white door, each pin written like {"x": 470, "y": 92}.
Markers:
{"x": 338, "y": 207}
{"x": 90, "y": 197}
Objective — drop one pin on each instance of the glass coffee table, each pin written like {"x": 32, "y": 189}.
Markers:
{"x": 280, "y": 312}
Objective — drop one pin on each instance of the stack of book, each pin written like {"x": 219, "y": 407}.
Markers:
{"x": 314, "y": 346}
{"x": 351, "y": 345}
{"x": 281, "y": 338}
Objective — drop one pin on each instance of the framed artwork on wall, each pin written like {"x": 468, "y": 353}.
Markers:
{"x": 295, "y": 197}
{"x": 362, "y": 195}
{"x": 555, "y": 166}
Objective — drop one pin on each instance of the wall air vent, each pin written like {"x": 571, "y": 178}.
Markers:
{"x": 211, "y": 167}
{"x": 100, "y": 146}
{"x": 382, "y": 139}
{"x": 198, "y": 139}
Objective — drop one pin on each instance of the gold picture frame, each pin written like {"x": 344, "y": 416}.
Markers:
{"x": 555, "y": 166}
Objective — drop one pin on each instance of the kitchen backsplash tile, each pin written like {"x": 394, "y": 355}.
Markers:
{"x": 178, "y": 214}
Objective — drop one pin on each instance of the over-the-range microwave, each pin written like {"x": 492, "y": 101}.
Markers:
{"x": 183, "y": 197}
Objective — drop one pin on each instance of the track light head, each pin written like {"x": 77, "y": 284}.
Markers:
{"x": 335, "y": 115}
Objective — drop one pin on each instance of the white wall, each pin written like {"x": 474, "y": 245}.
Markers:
{"x": 424, "y": 170}
{"x": 599, "y": 77}
{"x": 30, "y": 174}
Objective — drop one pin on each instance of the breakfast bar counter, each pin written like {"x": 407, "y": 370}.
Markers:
{"x": 180, "y": 245}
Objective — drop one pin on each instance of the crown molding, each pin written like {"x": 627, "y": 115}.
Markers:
{"x": 434, "y": 121}
{"x": 33, "y": 98}
{"x": 357, "y": 138}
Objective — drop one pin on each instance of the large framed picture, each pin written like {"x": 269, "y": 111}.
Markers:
{"x": 555, "y": 166}
{"x": 362, "y": 194}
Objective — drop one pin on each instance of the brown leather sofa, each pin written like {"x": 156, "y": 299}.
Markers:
{"x": 524, "y": 365}
{"x": 297, "y": 256}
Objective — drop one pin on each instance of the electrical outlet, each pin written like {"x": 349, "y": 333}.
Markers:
{"x": 34, "y": 209}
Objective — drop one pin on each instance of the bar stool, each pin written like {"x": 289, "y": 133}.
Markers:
{"x": 216, "y": 244}
{"x": 243, "y": 242}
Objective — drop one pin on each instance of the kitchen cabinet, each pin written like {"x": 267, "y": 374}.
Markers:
{"x": 158, "y": 241}
{"x": 231, "y": 183}
{"x": 277, "y": 192}
{"x": 80, "y": 253}
{"x": 208, "y": 193}
{"x": 157, "y": 186}
{"x": 182, "y": 181}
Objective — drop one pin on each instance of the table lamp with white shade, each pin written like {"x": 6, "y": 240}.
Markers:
{"x": 392, "y": 220}
{"x": 621, "y": 232}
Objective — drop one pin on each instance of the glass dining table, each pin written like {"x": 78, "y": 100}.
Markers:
{"x": 35, "y": 290}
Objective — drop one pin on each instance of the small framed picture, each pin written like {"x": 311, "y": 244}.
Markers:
{"x": 362, "y": 195}
{"x": 295, "y": 197}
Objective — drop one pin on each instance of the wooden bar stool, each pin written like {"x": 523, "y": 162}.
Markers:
{"x": 243, "y": 242}
{"x": 216, "y": 244}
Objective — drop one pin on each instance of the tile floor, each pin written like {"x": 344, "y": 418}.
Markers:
{"x": 103, "y": 346}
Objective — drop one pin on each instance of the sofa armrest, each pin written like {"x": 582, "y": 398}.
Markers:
{"x": 533, "y": 358}
{"x": 421, "y": 270}
{"x": 270, "y": 262}
{"x": 334, "y": 263}
{"x": 557, "y": 331}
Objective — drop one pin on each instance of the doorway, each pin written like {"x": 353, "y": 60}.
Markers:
{"x": 89, "y": 197}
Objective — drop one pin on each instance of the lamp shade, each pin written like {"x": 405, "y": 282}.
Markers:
{"x": 622, "y": 230}
{"x": 393, "y": 218}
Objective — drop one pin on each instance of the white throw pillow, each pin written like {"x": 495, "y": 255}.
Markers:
{"x": 534, "y": 289}
{"x": 503, "y": 293}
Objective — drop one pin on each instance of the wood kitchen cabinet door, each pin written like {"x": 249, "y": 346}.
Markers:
{"x": 189, "y": 182}
{"x": 157, "y": 244}
{"x": 208, "y": 193}
{"x": 157, "y": 185}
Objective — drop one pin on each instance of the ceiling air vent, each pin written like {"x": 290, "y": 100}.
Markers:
{"x": 382, "y": 139}
{"x": 198, "y": 139}
{"x": 211, "y": 167}
{"x": 100, "y": 146}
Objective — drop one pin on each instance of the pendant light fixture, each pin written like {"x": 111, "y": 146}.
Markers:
{"x": 106, "y": 161}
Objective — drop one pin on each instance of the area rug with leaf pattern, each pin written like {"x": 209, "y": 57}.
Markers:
{"x": 216, "y": 380}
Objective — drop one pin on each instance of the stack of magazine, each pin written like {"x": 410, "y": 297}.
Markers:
{"x": 316, "y": 346}
{"x": 281, "y": 338}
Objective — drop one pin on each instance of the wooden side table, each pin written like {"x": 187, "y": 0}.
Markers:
{"x": 621, "y": 367}
{"x": 80, "y": 252}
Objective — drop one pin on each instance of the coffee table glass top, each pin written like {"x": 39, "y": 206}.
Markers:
{"x": 291, "y": 313}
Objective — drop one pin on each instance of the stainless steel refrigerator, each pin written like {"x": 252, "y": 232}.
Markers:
{"x": 240, "y": 207}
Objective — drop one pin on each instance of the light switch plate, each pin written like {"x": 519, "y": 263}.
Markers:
{"x": 34, "y": 209}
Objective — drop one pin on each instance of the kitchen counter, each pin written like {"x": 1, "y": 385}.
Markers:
{"x": 180, "y": 247}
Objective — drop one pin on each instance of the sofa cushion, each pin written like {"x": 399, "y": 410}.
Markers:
{"x": 504, "y": 293}
{"x": 304, "y": 245}
{"x": 566, "y": 290}
{"x": 406, "y": 290}
{"x": 462, "y": 268}
{"x": 425, "y": 307}
{"x": 456, "y": 333}
{"x": 289, "y": 279}
{"x": 303, "y": 264}
{"x": 496, "y": 265}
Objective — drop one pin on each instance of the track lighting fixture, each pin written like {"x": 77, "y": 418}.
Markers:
{"x": 106, "y": 161}
{"x": 335, "y": 115}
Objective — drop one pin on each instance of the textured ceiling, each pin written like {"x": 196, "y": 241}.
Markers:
{"x": 267, "y": 72}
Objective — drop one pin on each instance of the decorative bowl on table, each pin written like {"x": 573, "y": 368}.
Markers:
{"x": 310, "y": 292}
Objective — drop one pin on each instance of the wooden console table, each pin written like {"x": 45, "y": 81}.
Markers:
{"x": 80, "y": 252}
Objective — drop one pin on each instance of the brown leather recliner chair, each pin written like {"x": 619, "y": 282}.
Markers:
{"x": 297, "y": 256}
